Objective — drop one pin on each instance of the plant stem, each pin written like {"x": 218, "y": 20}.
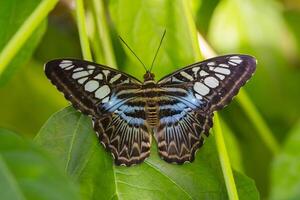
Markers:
{"x": 24, "y": 32}
{"x": 224, "y": 160}
{"x": 81, "y": 24}
{"x": 191, "y": 29}
{"x": 102, "y": 32}
{"x": 248, "y": 106}
{"x": 207, "y": 51}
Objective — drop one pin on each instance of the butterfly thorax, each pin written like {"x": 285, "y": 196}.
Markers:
{"x": 149, "y": 78}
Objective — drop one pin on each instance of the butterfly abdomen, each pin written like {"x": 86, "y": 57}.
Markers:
{"x": 152, "y": 114}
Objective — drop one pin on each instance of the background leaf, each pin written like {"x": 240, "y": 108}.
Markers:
{"x": 269, "y": 30}
{"x": 142, "y": 23}
{"x": 26, "y": 172}
{"x": 69, "y": 136}
{"x": 12, "y": 14}
{"x": 286, "y": 167}
{"x": 258, "y": 28}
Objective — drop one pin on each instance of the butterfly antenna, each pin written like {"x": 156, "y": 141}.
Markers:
{"x": 133, "y": 53}
{"x": 161, "y": 40}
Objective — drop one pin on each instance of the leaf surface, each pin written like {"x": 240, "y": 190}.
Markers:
{"x": 69, "y": 136}
{"x": 285, "y": 179}
{"x": 27, "y": 172}
{"x": 13, "y": 13}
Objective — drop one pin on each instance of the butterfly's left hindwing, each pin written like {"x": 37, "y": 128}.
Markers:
{"x": 107, "y": 95}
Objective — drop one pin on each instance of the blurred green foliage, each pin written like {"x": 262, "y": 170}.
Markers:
{"x": 268, "y": 30}
{"x": 27, "y": 172}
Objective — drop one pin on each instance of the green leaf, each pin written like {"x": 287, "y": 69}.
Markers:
{"x": 26, "y": 172}
{"x": 285, "y": 180}
{"x": 69, "y": 136}
{"x": 32, "y": 101}
{"x": 258, "y": 28}
{"x": 12, "y": 15}
{"x": 232, "y": 145}
{"x": 142, "y": 23}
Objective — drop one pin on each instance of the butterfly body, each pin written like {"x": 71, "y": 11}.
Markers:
{"x": 177, "y": 109}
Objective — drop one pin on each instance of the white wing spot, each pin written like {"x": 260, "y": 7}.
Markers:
{"x": 195, "y": 70}
{"x": 186, "y": 75}
{"x": 220, "y": 76}
{"x": 223, "y": 65}
{"x": 91, "y": 71}
{"x": 235, "y": 59}
{"x": 211, "y": 82}
{"x": 65, "y": 63}
{"x": 78, "y": 69}
{"x": 222, "y": 70}
{"x": 126, "y": 81}
{"x": 102, "y": 92}
{"x": 82, "y": 80}
{"x": 211, "y": 63}
{"x": 80, "y": 74}
{"x": 91, "y": 86}
{"x": 203, "y": 73}
{"x": 116, "y": 77}
{"x": 201, "y": 89}
{"x": 105, "y": 72}
{"x": 70, "y": 67}
{"x": 198, "y": 96}
{"x": 105, "y": 100}
{"x": 176, "y": 80}
{"x": 99, "y": 76}
{"x": 91, "y": 67}
{"x": 232, "y": 63}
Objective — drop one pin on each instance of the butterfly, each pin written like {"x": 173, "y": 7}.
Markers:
{"x": 177, "y": 110}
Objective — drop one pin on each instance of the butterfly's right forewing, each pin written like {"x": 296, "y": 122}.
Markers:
{"x": 87, "y": 85}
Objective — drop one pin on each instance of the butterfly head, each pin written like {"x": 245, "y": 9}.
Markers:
{"x": 149, "y": 77}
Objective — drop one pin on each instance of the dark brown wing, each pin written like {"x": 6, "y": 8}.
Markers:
{"x": 194, "y": 93}
{"x": 215, "y": 81}
{"x": 106, "y": 95}
{"x": 87, "y": 85}
{"x": 180, "y": 133}
{"x": 125, "y": 135}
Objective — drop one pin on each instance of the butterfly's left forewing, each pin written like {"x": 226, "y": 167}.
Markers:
{"x": 205, "y": 87}
{"x": 108, "y": 96}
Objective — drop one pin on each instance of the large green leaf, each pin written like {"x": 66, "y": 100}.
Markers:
{"x": 13, "y": 13}
{"x": 69, "y": 136}
{"x": 141, "y": 24}
{"x": 285, "y": 181}
{"x": 26, "y": 172}
{"x": 32, "y": 101}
